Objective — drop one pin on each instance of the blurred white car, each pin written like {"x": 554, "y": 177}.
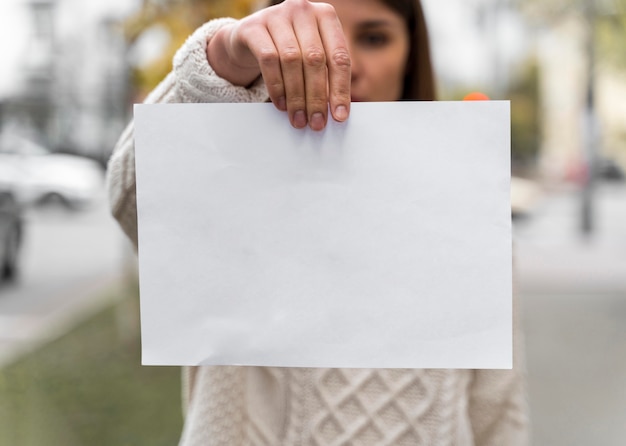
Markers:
{"x": 38, "y": 176}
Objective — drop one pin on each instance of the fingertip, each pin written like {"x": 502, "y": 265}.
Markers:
{"x": 299, "y": 119}
{"x": 318, "y": 122}
{"x": 341, "y": 113}
{"x": 281, "y": 104}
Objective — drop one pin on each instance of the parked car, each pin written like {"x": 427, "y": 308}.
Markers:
{"x": 609, "y": 170}
{"x": 11, "y": 228}
{"x": 38, "y": 175}
{"x": 524, "y": 196}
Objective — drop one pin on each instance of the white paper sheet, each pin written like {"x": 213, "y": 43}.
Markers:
{"x": 381, "y": 242}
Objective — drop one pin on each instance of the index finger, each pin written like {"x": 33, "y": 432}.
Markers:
{"x": 338, "y": 62}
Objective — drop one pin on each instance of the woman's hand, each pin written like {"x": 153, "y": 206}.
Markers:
{"x": 300, "y": 50}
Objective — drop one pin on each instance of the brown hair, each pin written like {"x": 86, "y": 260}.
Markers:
{"x": 419, "y": 80}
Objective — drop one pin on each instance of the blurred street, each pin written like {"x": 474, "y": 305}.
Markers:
{"x": 573, "y": 299}
{"x": 68, "y": 259}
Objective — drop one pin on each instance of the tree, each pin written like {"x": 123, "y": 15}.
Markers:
{"x": 605, "y": 37}
{"x": 607, "y": 17}
{"x": 179, "y": 18}
{"x": 525, "y": 117}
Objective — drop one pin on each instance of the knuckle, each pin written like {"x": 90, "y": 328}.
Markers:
{"x": 341, "y": 59}
{"x": 341, "y": 93}
{"x": 315, "y": 58}
{"x": 290, "y": 56}
{"x": 296, "y": 102}
{"x": 268, "y": 56}
{"x": 274, "y": 85}
{"x": 326, "y": 9}
{"x": 294, "y": 6}
{"x": 302, "y": 4}
{"x": 317, "y": 103}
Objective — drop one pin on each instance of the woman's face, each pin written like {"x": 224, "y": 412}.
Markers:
{"x": 378, "y": 40}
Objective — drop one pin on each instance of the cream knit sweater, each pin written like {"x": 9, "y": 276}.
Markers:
{"x": 231, "y": 406}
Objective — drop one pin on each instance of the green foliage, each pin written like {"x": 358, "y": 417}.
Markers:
{"x": 523, "y": 92}
{"x": 180, "y": 18}
{"x": 611, "y": 40}
{"x": 608, "y": 17}
{"x": 88, "y": 388}
{"x": 525, "y": 115}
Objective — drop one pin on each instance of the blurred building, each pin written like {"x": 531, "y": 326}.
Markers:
{"x": 572, "y": 67}
{"x": 477, "y": 45}
{"x": 488, "y": 45}
{"x": 30, "y": 107}
{"x": 71, "y": 91}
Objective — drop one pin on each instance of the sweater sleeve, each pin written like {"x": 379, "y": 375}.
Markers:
{"x": 498, "y": 406}
{"x": 191, "y": 80}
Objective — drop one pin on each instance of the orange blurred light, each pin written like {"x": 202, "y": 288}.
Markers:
{"x": 476, "y": 96}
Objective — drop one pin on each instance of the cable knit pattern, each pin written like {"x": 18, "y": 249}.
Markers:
{"x": 233, "y": 406}
{"x": 387, "y": 407}
{"x": 217, "y": 400}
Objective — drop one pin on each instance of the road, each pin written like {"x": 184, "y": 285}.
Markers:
{"x": 573, "y": 299}
{"x": 69, "y": 258}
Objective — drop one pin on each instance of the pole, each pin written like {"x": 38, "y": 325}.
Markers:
{"x": 590, "y": 127}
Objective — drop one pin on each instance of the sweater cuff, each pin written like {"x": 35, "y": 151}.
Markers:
{"x": 196, "y": 81}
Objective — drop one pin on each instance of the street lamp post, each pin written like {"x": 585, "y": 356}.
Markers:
{"x": 590, "y": 127}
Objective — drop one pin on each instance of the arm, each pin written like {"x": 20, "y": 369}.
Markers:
{"x": 297, "y": 49}
{"x": 191, "y": 80}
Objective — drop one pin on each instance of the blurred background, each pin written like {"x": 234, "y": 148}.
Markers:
{"x": 69, "y": 315}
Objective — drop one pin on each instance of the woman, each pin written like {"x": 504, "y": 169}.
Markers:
{"x": 311, "y": 59}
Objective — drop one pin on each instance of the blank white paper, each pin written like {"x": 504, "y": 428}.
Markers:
{"x": 381, "y": 242}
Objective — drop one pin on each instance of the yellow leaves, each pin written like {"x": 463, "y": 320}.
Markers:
{"x": 180, "y": 18}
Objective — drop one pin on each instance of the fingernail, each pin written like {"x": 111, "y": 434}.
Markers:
{"x": 317, "y": 121}
{"x": 281, "y": 104}
{"x": 341, "y": 113}
{"x": 299, "y": 119}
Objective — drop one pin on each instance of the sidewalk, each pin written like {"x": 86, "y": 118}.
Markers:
{"x": 573, "y": 300}
{"x": 552, "y": 254}
{"x": 20, "y": 334}
{"x": 71, "y": 265}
